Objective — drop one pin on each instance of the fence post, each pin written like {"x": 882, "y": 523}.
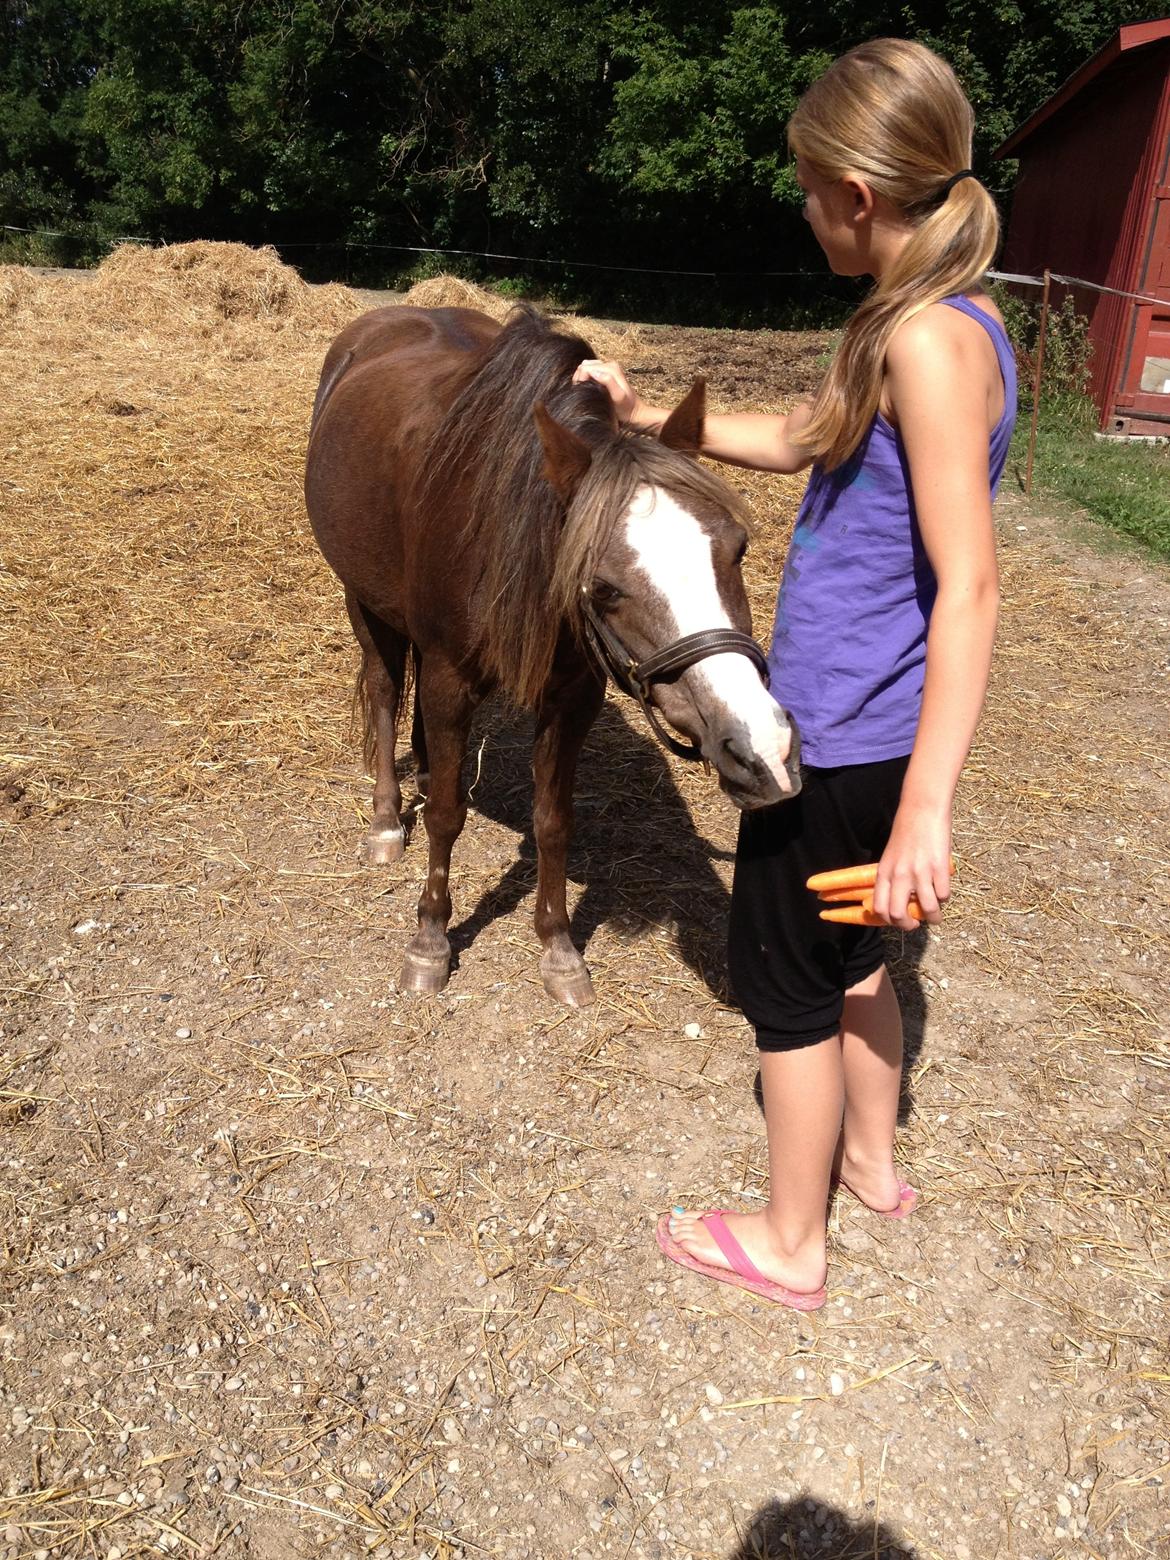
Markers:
{"x": 1036, "y": 378}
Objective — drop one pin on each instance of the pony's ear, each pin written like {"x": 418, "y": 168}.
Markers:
{"x": 683, "y": 429}
{"x": 566, "y": 457}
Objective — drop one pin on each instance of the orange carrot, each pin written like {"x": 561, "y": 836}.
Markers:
{"x": 844, "y": 877}
{"x": 862, "y": 915}
{"x": 829, "y": 884}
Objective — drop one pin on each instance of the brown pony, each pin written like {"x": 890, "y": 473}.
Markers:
{"x": 482, "y": 512}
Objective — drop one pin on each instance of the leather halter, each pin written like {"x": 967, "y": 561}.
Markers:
{"x": 636, "y": 677}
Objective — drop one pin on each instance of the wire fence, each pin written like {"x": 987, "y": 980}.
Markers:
{"x": 730, "y": 295}
{"x": 1074, "y": 281}
{"x": 109, "y": 241}
{"x": 709, "y": 274}
{"x": 1044, "y": 282}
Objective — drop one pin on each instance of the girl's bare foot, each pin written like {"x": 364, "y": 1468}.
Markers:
{"x": 799, "y": 1266}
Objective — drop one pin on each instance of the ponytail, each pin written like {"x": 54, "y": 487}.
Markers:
{"x": 904, "y": 106}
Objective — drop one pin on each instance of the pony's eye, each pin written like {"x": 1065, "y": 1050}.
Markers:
{"x": 605, "y": 594}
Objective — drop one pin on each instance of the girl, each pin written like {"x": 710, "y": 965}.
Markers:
{"x": 882, "y": 640}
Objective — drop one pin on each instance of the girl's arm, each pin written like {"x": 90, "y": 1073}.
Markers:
{"x": 940, "y": 386}
{"x": 761, "y": 441}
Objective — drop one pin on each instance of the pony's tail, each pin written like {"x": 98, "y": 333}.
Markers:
{"x": 362, "y": 709}
{"x": 330, "y": 375}
{"x": 361, "y": 715}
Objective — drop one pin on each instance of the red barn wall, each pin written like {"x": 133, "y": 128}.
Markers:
{"x": 1083, "y": 197}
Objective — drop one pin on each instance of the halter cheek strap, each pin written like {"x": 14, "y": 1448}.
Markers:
{"x": 635, "y": 677}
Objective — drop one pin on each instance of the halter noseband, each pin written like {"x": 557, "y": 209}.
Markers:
{"x": 636, "y": 677}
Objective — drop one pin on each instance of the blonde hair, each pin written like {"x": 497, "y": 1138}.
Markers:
{"x": 892, "y": 113}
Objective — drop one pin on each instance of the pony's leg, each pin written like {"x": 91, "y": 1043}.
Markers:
{"x": 561, "y": 726}
{"x": 449, "y": 706}
{"x": 418, "y": 732}
{"x": 383, "y": 668}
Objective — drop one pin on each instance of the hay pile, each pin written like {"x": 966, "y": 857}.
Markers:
{"x": 452, "y": 292}
{"x": 218, "y": 292}
{"x": 205, "y": 291}
{"x": 207, "y": 283}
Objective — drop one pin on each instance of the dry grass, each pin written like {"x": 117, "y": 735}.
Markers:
{"x": 17, "y": 286}
{"x": 196, "y": 285}
{"x": 249, "y": 1191}
{"x": 452, "y": 292}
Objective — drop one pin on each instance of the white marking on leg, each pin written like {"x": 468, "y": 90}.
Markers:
{"x": 674, "y": 552}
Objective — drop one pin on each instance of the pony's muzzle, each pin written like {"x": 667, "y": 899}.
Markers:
{"x": 751, "y": 778}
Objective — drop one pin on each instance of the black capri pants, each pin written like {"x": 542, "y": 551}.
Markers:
{"x": 789, "y": 969}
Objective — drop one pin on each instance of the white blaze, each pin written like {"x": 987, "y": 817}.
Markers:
{"x": 674, "y": 552}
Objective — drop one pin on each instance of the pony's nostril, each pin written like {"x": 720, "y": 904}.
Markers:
{"x": 738, "y": 752}
{"x": 792, "y": 755}
{"x": 791, "y": 749}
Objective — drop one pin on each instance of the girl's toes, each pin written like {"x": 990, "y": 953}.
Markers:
{"x": 688, "y": 1230}
{"x": 682, "y": 1225}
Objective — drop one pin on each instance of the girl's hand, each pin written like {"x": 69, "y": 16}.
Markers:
{"x": 611, "y": 377}
{"x": 916, "y": 861}
{"x": 759, "y": 441}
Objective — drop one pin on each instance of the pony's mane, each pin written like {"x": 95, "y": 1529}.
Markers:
{"x": 535, "y": 557}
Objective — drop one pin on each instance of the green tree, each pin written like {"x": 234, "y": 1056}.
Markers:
{"x": 707, "y": 119}
{"x": 646, "y": 135}
{"x": 47, "y": 54}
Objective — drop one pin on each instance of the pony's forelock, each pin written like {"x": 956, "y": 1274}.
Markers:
{"x": 627, "y": 462}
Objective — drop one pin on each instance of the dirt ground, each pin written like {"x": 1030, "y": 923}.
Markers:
{"x": 294, "y": 1266}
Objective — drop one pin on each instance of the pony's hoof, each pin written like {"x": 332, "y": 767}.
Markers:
{"x": 383, "y": 846}
{"x": 425, "y": 973}
{"x": 573, "y": 987}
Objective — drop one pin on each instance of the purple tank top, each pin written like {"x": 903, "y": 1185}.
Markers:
{"x": 848, "y": 655}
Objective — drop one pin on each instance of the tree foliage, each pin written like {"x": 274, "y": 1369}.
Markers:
{"x": 650, "y": 134}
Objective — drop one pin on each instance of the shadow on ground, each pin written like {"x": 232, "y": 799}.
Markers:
{"x": 635, "y": 852}
{"x": 808, "y": 1529}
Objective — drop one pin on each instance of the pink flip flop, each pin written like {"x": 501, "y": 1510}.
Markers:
{"x": 743, "y": 1272}
{"x": 906, "y": 1206}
